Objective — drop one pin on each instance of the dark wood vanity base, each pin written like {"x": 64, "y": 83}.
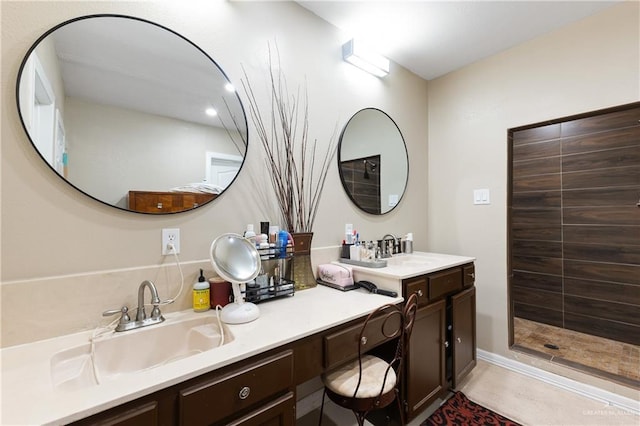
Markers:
{"x": 262, "y": 389}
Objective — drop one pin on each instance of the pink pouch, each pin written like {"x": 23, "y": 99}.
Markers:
{"x": 336, "y": 276}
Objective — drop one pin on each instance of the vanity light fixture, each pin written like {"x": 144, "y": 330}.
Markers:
{"x": 211, "y": 112}
{"x": 356, "y": 53}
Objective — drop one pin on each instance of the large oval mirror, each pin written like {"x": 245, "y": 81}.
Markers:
{"x": 132, "y": 114}
{"x": 373, "y": 162}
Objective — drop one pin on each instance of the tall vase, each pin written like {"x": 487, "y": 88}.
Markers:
{"x": 302, "y": 269}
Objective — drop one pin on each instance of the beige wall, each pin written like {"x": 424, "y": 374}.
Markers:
{"x": 68, "y": 257}
{"x": 589, "y": 65}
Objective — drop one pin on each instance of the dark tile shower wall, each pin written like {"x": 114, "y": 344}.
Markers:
{"x": 365, "y": 192}
{"x": 575, "y": 225}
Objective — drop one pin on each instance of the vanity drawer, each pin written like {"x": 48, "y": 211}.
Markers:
{"x": 342, "y": 346}
{"x": 445, "y": 282}
{"x": 469, "y": 275}
{"x": 417, "y": 285}
{"x": 213, "y": 400}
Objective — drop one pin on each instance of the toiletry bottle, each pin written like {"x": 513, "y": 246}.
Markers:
{"x": 262, "y": 242}
{"x": 250, "y": 233}
{"x": 283, "y": 240}
{"x": 264, "y": 228}
{"x": 201, "y": 296}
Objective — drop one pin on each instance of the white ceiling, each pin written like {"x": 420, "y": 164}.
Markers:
{"x": 131, "y": 64}
{"x": 432, "y": 38}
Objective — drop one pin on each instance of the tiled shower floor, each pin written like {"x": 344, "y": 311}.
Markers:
{"x": 615, "y": 359}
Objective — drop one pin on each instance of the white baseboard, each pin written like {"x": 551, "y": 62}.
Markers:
{"x": 565, "y": 383}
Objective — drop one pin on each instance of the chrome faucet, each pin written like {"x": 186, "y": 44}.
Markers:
{"x": 155, "y": 301}
{"x": 142, "y": 320}
{"x": 387, "y": 251}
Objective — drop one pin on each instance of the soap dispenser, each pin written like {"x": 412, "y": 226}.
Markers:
{"x": 201, "y": 295}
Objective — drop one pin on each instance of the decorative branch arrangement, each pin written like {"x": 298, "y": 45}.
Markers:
{"x": 297, "y": 171}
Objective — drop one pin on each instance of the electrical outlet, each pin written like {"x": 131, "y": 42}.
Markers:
{"x": 170, "y": 236}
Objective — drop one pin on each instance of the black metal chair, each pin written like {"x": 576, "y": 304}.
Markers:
{"x": 369, "y": 383}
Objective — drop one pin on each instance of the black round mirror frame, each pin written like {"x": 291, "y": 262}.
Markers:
{"x": 240, "y": 125}
{"x": 367, "y": 197}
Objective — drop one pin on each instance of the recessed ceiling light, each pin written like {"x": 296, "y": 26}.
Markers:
{"x": 211, "y": 112}
{"x": 229, "y": 87}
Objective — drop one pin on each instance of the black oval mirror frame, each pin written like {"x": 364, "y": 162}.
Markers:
{"x": 373, "y": 161}
{"x": 231, "y": 124}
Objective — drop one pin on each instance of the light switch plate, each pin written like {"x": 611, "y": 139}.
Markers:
{"x": 481, "y": 196}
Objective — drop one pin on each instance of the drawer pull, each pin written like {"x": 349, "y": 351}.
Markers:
{"x": 446, "y": 343}
{"x": 244, "y": 392}
{"x": 363, "y": 340}
{"x": 459, "y": 340}
{"x": 159, "y": 205}
{"x": 420, "y": 293}
{"x": 472, "y": 275}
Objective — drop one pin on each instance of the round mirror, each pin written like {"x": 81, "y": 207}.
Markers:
{"x": 132, "y": 114}
{"x": 236, "y": 260}
{"x": 373, "y": 162}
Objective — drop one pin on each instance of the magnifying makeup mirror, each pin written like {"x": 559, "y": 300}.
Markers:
{"x": 237, "y": 261}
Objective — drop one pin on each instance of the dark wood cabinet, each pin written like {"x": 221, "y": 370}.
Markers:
{"x": 261, "y": 390}
{"x": 463, "y": 314}
{"x": 140, "y": 414}
{"x": 257, "y": 391}
{"x": 279, "y": 412}
{"x": 442, "y": 350}
{"x": 424, "y": 372}
{"x": 166, "y": 202}
{"x": 220, "y": 400}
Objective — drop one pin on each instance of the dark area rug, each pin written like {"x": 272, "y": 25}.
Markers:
{"x": 459, "y": 410}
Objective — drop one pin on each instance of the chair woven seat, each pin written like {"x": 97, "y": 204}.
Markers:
{"x": 344, "y": 380}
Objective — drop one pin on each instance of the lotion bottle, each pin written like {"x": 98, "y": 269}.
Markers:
{"x": 250, "y": 233}
{"x": 201, "y": 294}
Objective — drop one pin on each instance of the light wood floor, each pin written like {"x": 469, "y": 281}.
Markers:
{"x": 596, "y": 353}
{"x": 523, "y": 399}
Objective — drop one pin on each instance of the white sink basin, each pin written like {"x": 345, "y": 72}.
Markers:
{"x": 412, "y": 260}
{"x": 131, "y": 351}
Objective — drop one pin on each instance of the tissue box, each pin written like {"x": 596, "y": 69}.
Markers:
{"x": 335, "y": 276}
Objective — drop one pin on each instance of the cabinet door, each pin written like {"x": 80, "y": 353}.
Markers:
{"x": 127, "y": 415}
{"x": 463, "y": 306}
{"x": 425, "y": 360}
{"x": 280, "y": 412}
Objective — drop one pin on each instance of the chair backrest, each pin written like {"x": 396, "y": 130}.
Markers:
{"x": 395, "y": 321}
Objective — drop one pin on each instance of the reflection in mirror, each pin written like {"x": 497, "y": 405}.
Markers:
{"x": 132, "y": 114}
{"x": 373, "y": 162}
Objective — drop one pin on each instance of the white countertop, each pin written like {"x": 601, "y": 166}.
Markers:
{"x": 403, "y": 266}
{"x": 28, "y": 396}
